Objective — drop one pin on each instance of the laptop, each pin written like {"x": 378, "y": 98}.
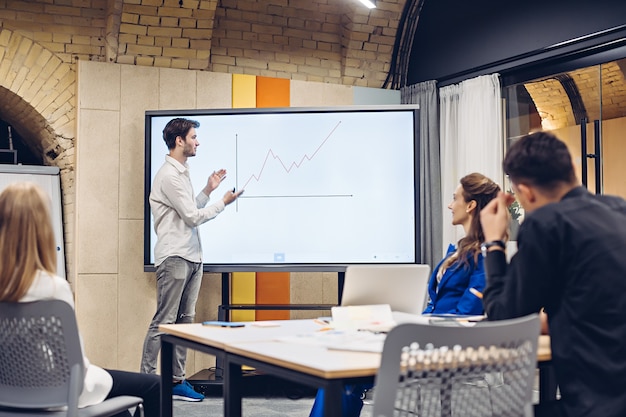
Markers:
{"x": 403, "y": 287}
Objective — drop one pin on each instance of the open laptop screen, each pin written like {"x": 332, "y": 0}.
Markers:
{"x": 403, "y": 287}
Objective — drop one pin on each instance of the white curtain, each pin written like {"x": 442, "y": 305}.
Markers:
{"x": 472, "y": 138}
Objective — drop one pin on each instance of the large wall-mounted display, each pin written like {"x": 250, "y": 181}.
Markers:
{"x": 324, "y": 188}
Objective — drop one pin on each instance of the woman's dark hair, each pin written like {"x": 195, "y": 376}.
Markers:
{"x": 177, "y": 127}
{"x": 539, "y": 159}
{"x": 482, "y": 190}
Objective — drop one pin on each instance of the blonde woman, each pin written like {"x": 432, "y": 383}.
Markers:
{"x": 27, "y": 273}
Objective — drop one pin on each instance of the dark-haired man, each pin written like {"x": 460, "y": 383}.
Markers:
{"x": 571, "y": 260}
{"x": 178, "y": 252}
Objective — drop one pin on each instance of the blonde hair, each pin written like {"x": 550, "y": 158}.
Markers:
{"x": 26, "y": 238}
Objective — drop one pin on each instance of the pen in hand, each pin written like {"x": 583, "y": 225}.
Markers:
{"x": 476, "y": 293}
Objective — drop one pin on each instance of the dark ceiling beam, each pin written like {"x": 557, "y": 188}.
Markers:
{"x": 403, "y": 45}
{"x": 575, "y": 99}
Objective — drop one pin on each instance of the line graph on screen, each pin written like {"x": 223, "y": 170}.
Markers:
{"x": 273, "y": 157}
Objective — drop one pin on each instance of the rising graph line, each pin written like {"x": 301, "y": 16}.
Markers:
{"x": 295, "y": 164}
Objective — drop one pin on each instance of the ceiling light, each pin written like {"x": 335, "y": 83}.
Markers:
{"x": 369, "y": 4}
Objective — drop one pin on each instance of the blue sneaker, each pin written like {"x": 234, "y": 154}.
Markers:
{"x": 185, "y": 392}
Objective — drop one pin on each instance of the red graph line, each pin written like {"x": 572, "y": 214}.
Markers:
{"x": 288, "y": 169}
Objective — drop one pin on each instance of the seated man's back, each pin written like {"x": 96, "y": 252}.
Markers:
{"x": 571, "y": 260}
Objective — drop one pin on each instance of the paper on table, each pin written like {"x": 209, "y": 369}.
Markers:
{"x": 266, "y": 324}
{"x": 364, "y": 342}
{"x": 362, "y": 317}
{"x": 352, "y": 340}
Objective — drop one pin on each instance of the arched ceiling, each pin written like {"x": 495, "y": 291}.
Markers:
{"x": 597, "y": 92}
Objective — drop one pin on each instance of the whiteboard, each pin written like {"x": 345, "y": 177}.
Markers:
{"x": 323, "y": 186}
{"x": 49, "y": 179}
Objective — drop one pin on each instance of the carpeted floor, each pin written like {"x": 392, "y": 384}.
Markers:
{"x": 252, "y": 407}
{"x": 264, "y": 396}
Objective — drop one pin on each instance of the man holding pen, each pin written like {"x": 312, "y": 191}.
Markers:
{"x": 178, "y": 212}
{"x": 571, "y": 261}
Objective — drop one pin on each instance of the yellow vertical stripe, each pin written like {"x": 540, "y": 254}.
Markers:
{"x": 243, "y": 284}
{"x": 243, "y": 291}
{"x": 244, "y": 91}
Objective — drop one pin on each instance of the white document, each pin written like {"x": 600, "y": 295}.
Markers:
{"x": 366, "y": 317}
{"x": 352, "y": 340}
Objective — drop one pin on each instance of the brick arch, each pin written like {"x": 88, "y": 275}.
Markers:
{"x": 551, "y": 102}
{"x": 555, "y": 105}
{"x": 30, "y": 124}
{"x": 38, "y": 98}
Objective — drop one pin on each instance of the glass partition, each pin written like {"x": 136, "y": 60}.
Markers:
{"x": 586, "y": 108}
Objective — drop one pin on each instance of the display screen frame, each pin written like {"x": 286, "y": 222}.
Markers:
{"x": 393, "y": 184}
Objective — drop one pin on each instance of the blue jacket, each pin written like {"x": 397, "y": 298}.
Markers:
{"x": 453, "y": 296}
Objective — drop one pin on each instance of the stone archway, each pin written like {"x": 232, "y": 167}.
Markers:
{"x": 38, "y": 98}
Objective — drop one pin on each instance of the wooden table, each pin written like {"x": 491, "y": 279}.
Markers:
{"x": 213, "y": 340}
{"x": 316, "y": 366}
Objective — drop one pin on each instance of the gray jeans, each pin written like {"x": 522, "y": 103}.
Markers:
{"x": 178, "y": 285}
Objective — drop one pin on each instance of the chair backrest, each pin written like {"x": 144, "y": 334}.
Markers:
{"x": 403, "y": 287}
{"x": 41, "y": 362}
{"x": 443, "y": 370}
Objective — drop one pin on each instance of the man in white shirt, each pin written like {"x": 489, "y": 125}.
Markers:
{"x": 178, "y": 250}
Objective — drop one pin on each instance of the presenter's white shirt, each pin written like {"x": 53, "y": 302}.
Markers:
{"x": 177, "y": 214}
{"x": 98, "y": 382}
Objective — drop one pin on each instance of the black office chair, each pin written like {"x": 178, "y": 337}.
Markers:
{"x": 41, "y": 364}
{"x": 432, "y": 370}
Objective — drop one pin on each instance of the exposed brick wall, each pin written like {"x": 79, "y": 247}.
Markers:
{"x": 553, "y": 103}
{"x": 313, "y": 40}
{"x": 310, "y": 40}
{"x": 70, "y": 29}
{"x": 161, "y": 33}
{"x": 367, "y": 40}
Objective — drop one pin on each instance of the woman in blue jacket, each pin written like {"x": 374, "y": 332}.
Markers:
{"x": 450, "y": 283}
{"x": 462, "y": 267}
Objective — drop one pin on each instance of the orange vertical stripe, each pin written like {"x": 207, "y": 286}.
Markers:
{"x": 272, "y": 288}
{"x": 272, "y": 92}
